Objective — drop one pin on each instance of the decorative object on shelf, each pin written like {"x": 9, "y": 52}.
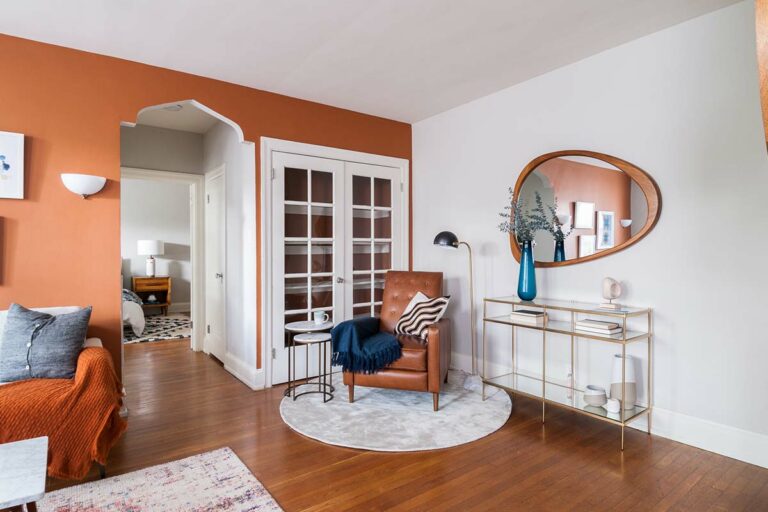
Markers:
{"x": 587, "y": 181}
{"x": 83, "y": 185}
{"x": 528, "y": 317}
{"x": 11, "y": 165}
{"x": 585, "y": 215}
{"x": 612, "y": 290}
{"x": 150, "y": 248}
{"x": 630, "y": 384}
{"x": 612, "y": 405}
{"x": 449, "y": 240}
{"x": 595, "y": 396}
{"x": 524, "y": 226}
{"x": 586, "y": 245}
{"x": 320, "y": 317}
{"x": 152, "y": 299}
{"x": 625, "y": 223}
{"x": 605, "y": 230}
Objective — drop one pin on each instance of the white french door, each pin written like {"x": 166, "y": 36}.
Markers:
{"x": 336, "y": 231}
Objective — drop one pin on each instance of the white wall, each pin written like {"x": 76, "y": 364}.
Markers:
{"x": 157, "y": 210}
{"x": 221, "y": 146}
{"x": 149, "y": 147}
{"x": 683, "y": 104}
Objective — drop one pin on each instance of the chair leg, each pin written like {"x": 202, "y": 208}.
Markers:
{"x": 102, "y": 471}
{"x": 445, "y": 380}
{"x": 435, "y": 400}
{"x": 351, "y": 388}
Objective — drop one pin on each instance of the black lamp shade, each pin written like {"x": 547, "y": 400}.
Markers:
{"x": 446, "y": 239}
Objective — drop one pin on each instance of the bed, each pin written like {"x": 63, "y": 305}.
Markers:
{"x": 133, "y": 313}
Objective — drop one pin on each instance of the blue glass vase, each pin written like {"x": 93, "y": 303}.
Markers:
{"x": 559, "y": 250}
{"x": 526, "y": 283}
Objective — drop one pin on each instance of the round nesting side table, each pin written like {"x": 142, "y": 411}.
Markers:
{"x": 309, "y": 333}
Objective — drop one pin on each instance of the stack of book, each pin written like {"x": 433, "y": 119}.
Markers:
{"x": 598, "y": 327}
{"x": 528, "y": 317}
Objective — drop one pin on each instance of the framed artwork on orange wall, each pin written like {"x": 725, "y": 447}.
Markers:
{"x": 11, "y": 165}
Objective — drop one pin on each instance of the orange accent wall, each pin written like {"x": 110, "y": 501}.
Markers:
{"x": 575, "y": 181}
{"x": 58, "y": 249}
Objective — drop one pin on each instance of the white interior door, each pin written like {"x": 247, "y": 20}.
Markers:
{"x": 308, "y": 250}
{"x": 215, "y": 257}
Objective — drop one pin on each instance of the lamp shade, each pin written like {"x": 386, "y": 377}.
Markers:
{"x": 446, "y": 239}
{"x": 150, "y": 247}
{"x": 83, "y": 184}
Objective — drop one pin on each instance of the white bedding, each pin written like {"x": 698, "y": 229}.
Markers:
{"x": 133, "y": 315}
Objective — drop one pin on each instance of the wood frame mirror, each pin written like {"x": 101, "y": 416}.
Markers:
{"x": 643, "y": 180}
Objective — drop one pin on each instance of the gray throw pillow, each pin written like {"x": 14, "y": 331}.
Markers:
{"x": 41, "y": 346}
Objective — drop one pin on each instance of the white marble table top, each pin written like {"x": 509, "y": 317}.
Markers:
{"x": 23, "y": 465}
{"x": 312, "y": 337}
{"x": 307, "y": 326}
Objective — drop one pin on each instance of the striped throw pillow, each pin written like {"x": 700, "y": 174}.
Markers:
{"x": 420, "y": 313}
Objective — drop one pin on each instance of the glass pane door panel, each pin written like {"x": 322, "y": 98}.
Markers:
{"x": 361, "y": 289}
{"x": 361, "y": 311}
{"x": 295, "y": 184}
{"x": 322, "y": 222}
{"x": 296, "y": 257}
{"x": 378, "y": 287}
{"x": 322, "y": 257}
{"x": 295, "y": 221}
{"x": 361, "y": 223}
{"x": 361, "y": 190}
{"x": 322, "y": 292}
{"x": 300, "y": 317}
{"x": 382, "y": 192}
{"x": 361, "y": 256}
{"x": 322, "y": 187}
{"x": 296, "y": 297}
{"x": 382, "y": 256}
{"x": 382, "y": 224}
{"x": 377, "y": 310}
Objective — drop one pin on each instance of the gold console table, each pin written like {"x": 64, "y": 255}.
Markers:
{"x": 566, "y": 393}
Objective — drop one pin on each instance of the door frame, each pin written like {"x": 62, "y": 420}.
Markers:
{"x": 209, "y": 175}
{"x": 196, "y": 184}
{"x": 268, "y": 147}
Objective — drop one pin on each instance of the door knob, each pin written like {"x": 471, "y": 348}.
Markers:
{"x": 219, "y": 275}
{"x": 339, "y": 280}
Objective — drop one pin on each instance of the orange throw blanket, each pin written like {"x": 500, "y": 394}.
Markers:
{"x": 80, "y": 416}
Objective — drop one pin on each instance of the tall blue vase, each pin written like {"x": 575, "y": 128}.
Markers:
{"x": 559, "y": 250}
{"x": 526, "y": 283}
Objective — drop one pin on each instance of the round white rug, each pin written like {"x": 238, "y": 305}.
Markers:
{"x": 397, "y": 421}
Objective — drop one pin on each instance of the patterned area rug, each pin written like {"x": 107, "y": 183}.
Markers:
{"x": 160, "y": 327}
{"x": 212, "y": 481}
{"x": 390, "y": 420}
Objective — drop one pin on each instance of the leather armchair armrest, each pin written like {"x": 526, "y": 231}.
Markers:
{"x": 438, "y": 353}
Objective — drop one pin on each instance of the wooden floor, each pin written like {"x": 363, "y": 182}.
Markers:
{"x": 182, "y": 403}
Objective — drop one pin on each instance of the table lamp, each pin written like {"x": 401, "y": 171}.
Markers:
{"x": 150, "y": 248}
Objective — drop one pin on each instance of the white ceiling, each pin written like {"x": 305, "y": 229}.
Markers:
{"x": 400, "y": 59}
{"x": 187, "y": 118}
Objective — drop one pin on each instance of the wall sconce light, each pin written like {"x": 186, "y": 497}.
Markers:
{"x": 625, "y": 223}
{"x": 83, "y": 184}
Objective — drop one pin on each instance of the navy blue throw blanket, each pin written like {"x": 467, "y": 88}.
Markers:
{"x": 359, "y": 346}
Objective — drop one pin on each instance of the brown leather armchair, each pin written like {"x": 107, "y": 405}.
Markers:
{"x": 423, "y": 365}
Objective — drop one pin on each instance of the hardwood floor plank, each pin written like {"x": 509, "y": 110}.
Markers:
{"x": 182, "y": 403}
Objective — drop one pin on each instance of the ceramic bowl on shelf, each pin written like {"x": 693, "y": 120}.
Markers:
{"x": 595, "y": 395}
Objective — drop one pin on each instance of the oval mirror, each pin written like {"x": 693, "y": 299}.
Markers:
{"x": 603, "y": 203}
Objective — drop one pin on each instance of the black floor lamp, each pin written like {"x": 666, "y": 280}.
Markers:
{"x": 451, "y": 241}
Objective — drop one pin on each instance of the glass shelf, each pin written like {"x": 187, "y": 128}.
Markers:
{"x": 559, "y": 393}
{"x": 570, "y": 305}
{"x": 562, "y": 327}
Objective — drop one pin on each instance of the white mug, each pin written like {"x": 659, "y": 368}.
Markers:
{"x": 320, "y": 317}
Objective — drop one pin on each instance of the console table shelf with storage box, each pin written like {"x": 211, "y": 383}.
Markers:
{"x": 567, "y": 392}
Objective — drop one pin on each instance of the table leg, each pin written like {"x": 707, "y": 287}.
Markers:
{"x": 31, "y": 506}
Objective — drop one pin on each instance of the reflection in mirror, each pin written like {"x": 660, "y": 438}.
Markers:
{"x": 599, "y": 206}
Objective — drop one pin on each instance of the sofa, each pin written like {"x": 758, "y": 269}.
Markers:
{"x": 80, "y": 416}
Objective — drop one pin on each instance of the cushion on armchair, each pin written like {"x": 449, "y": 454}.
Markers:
{"x": 39, "y": 345}
{"x": 420, "y": 313}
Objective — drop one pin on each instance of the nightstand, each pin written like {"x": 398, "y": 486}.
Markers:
{"x": 160, "y": 287}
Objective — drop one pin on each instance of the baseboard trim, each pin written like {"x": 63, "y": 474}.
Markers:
{"x": 245, "y": 373}
{"x": 179, "y": 307}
